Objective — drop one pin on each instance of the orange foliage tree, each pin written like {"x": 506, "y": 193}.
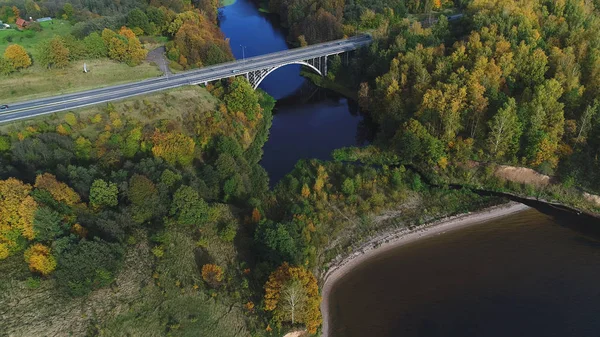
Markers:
{"x": 292, "y": 294}
{"x": 17, "y": 210}
{"x": 39, "y": 259}
{"x": 60, "y": 191}
{"x": 17, "y": 56}
{"x": 255, "y": 216}
{"x": 197, "y": 41}
{"x": 212, "y": 274}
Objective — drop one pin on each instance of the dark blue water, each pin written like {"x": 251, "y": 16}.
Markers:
{"x": 309, "y": 122}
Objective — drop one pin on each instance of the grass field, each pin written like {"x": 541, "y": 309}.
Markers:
{"x": 37, "y": 82}
{"x": 29, "y": 39}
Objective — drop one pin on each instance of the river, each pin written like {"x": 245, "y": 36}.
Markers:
{"x": 527, "y": 274}
{"x": 309, "y": 122}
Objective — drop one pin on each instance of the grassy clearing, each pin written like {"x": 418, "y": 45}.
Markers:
{"x": 37, "y": 82}
{"x": 173, "y": 103}
{"x": 29, "y": 38}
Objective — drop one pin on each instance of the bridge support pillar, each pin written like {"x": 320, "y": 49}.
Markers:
{"x": 324, "y": 65}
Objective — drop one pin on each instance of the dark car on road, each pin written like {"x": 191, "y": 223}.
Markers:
{"x": 2, "y": 107}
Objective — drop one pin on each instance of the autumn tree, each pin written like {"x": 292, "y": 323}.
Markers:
{"x": 103, "y": 194}
{"x": 53, "y": 53}
{"x": 83, "y": 148}
{"x": 124, "y": 46}
{"x": 17, "y": 56}
{"x": 197, "y": 41}
{"x": 212, "y": 274}
{"x": 173, "y": 147}
{"x": 17, "y": 208}
{"x": 292, "y": 294}
{"x": 39, "y": 259}
{"x": 60, "y": 191}
{"x": 441, "y": 110}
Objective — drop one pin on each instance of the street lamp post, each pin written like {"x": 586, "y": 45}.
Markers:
{"x": 243, "y": 52}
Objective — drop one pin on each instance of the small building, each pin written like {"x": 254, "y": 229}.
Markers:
{"x": 21, "y": 24}
{"x": 44, "y": 19}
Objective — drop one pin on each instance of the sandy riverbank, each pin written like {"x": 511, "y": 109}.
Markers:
{"x": 391, "y": 240}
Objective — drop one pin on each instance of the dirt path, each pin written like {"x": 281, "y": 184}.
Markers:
{"x": 157, "y": 56}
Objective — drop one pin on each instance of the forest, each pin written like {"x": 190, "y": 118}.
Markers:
{"x": 510, "y": 83}
{"x": 153, "y": 216}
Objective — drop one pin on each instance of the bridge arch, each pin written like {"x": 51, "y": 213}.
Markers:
{"x": 304, "y": 63}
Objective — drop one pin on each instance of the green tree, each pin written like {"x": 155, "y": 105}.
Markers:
{"x": 4, "y": 144}
{"x": 103, "y": 194}
{"x": 48, "y": 224}
{"x": 348, "y": 187}
{"x": 138, "y": 19}
{"x": 280, "y": 242}
{"x": 545, "y": 126}
{"x": 241, "y": 97}
{"x": 67, "y": 11}
{"x": 188, "y": 208}
{"x": 6, "y": 67}
{"x": 87, "y": 265}
{"x": 83, "y": 148}
{"x": 505, "y": 131}
{"x": 144, "y": 198}
{"x": 95, "y": 46}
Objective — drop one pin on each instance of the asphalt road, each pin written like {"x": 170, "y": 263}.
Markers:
{"x": 33, "y": 108}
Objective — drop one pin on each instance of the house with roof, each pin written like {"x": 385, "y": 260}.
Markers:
{"x": 21, "y": 23}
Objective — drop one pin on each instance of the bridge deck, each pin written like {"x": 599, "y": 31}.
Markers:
{"x": 28, "y": 109}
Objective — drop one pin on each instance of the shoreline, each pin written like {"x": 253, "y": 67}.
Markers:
{"x": 391, "y": 240}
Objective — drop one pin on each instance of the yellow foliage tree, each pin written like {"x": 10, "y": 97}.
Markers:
{"x": 17, "y": 209}
{"x": 321, "y": 178}
{"x": 174, "y": 147}
{"x": 39, "y": 259}
{"x": 292, "y": 294}
{"x": 4, "y": 252}
{"x": 305, "y": 191}
{"x": 17, "y": 56}
{"x": 60, "y": 191}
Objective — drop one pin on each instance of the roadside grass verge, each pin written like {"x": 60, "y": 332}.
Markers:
{"x": 168, "y": 104}
{"x": 37, "y": 82}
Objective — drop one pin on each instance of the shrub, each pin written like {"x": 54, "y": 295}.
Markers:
{"x": 212, "y": 274}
